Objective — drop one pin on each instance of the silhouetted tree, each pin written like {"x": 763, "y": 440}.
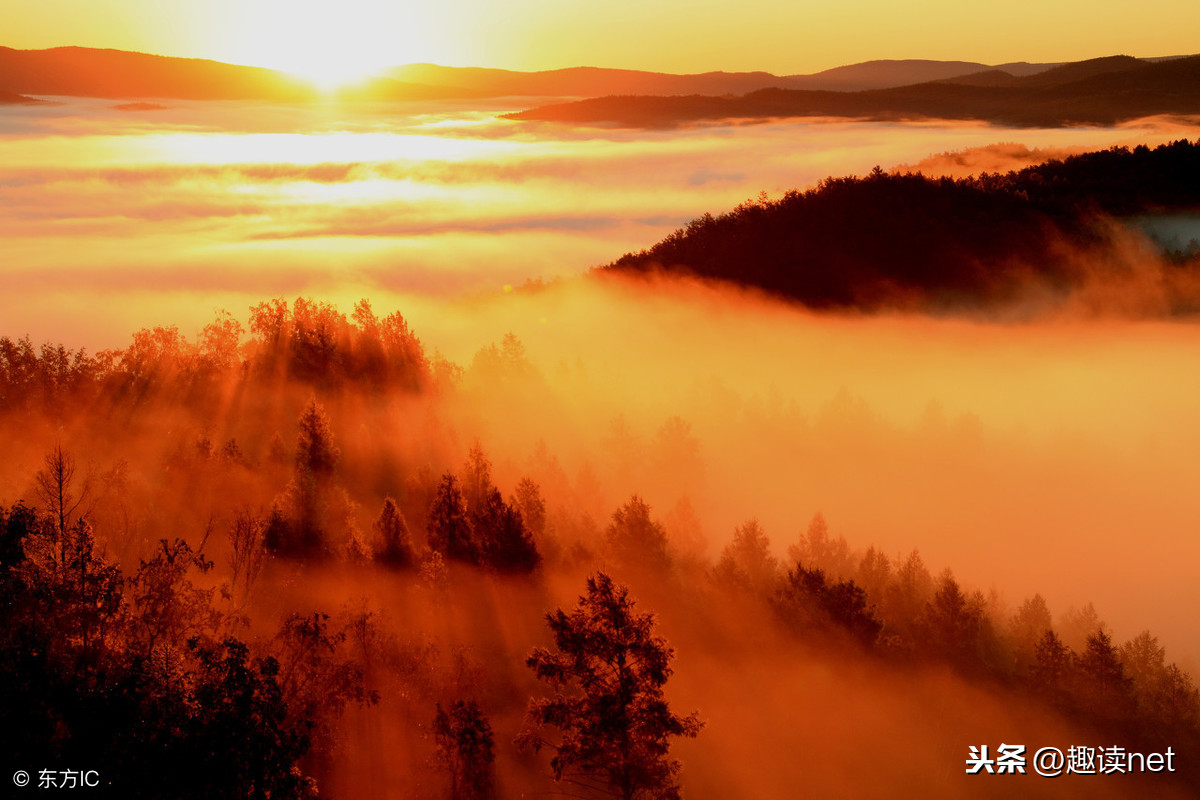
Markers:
{"x": 297, "y": 526}
{"x": 55, "y": 483}
{"x": 317, "y": 678}
{"x": 1028, "y": 625}
{"x": 953, "y": 623}
{"x": 1078, "y": 624}
{"x": 238, "y": 739}
{"x": 16, "y": 525}
{"x": 504, "y": 541}
{"x": 1166, "y": 697}
{"x": 905, "y": 598}
{"x": 634, "y": 540}
{"x": 874, "y": 573}
{"x": 218, "y": 345}
{"x": 1175, "y": 702}
{"x": 231, "y": 453}
{"x": 95, "y": 667}
{"x": 1054, "y": 662}
{"x": 1107, "y": 689}
{"x": 808, "y": 603}
{"x": 449, "y": 530}
{"x": 608, "y": 674}
{"x": 316, "y": 453}
{"x": 477, "y": 483}
{"x": 498, "y": 530}
{"x": 747, "y": 562}
{"x": 465, "y": 749}
{"x": 166, "y": 607}
{"x": 528, "y": 500}
{"x": 248, "y": 551}
{"x": 816, "y": 548}
{"x": 395, "y": 547}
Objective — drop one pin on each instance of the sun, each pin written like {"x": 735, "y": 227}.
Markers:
{"x": 331, "y": 44}
{"x": 335, "y": 69}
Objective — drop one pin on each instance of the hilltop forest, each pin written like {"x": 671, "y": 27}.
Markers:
{"x": 993, "y": 241}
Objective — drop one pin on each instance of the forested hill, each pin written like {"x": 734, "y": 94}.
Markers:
{"x": 1096, "y": 92}
{"x": 910, "y": 241}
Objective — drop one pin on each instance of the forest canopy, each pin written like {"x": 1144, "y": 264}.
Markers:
{"x": 178, "y": 588}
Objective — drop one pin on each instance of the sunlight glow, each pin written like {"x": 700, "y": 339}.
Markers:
{"x": 251, "y": 148}
{"x": 295, "y": 148}
{"x": 331, "y": 45}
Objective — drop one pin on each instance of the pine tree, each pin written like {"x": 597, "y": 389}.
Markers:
{"x": 449, "y": 531}
{"x": 608, "y": 675}
{"x": 634, "y": 540}
{"x": 315, "y": 451}
{"x": 747, "y": 562}
{"x": 395, "y": 547}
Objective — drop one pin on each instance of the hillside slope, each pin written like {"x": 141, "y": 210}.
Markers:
{"x": 911, "y": 241}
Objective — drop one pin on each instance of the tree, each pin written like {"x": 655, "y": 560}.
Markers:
{"x": 54, "y": 487}
{"x": 297, "y": 526}
{"x": 1054, "y": 662}
{"x": 395, "y": 546}
{"x": 248, "y": 551}
{"x": 608, "y": 675}
{"x": 747, "y": 562}
{"x": 166, "y": 606}
{"x": 449, "y": 531}
{"x": 529, "y": 502}
{"x": 166, "y": 717}
{"x": 316, "y": 453}
{"x": 953, "y": 623}
{"x": 477, "y": 483}
{"x": 808, "y": 603}
{"x": 465, "y": 749}
{"x": 874, "y": 573}
{"x": 1028, "y": 626}
{"x": 1078, "y": 624}
{"x": 504, "y": 541}
{"x": 634, "y": 539}
{"x": 817, "y": 548}
{"x": 1107, "y": 690}
{"x": 906, "y": 595}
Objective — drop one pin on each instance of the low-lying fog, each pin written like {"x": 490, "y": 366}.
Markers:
{"x": 113, "y": 218}
{"x": 1055, "y": 456}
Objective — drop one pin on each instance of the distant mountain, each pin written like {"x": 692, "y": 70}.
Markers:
{"x": 1099, "y": 91}
{"x": 907, "y": 241}
{"x": 887, "y": 74}
{"x": 1010, "y": 92}
{"x": 582, "y": 81}
{"x": 118, "y": 74}
{"x": 1054, "y": 76}
{"x": 595, "y": 81}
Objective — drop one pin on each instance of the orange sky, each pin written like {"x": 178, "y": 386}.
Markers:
{"x": 340, "y": 39}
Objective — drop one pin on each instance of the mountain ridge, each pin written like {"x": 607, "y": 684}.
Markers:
{"x": 905, "y": 241}
{"x": 1097, "y": 91}
{"x": 122, "y": 74}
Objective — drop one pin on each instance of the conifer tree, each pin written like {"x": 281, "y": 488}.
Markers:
{"x": 608, "y": 673}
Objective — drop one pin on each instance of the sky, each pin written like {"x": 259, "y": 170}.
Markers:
{"x": 339, "y": 40}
